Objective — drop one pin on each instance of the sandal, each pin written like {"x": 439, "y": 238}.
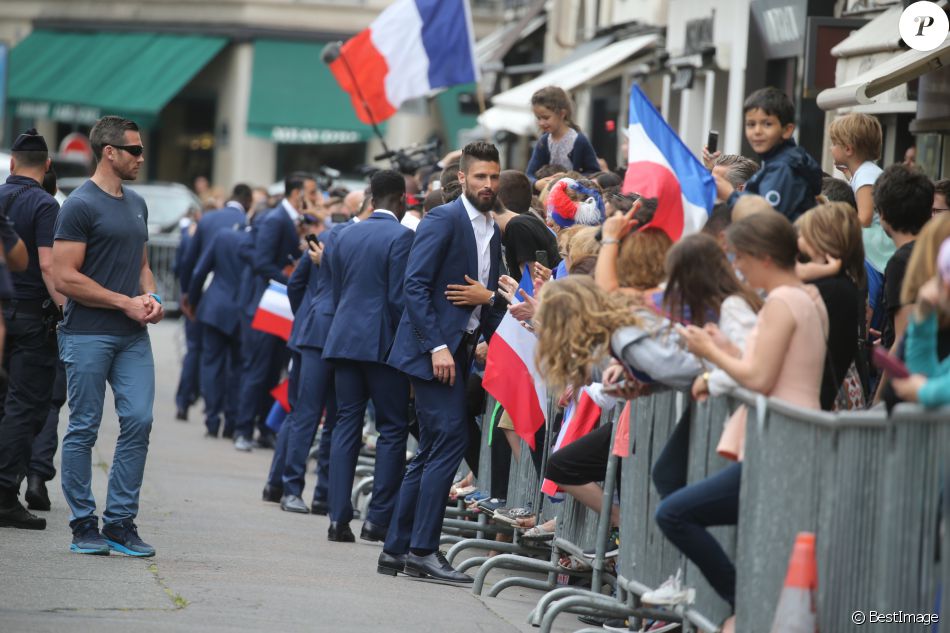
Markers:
{"x": 538, "y": 533}
{"x": 569, "y": 563}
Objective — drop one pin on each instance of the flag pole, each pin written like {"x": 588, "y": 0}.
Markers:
{"x": 335, "y": 50}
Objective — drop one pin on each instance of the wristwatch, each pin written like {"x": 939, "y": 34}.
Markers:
{"x": 491, "y": 300}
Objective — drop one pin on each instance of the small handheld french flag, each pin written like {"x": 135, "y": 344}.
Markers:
{"x": 274, "y": 315}
{"x": 659, "y": 165}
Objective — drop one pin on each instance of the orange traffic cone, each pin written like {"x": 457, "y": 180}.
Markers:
{"x": 796, "y": 604}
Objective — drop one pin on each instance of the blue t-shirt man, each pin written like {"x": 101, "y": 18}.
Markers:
{"x": 115, "y": 231}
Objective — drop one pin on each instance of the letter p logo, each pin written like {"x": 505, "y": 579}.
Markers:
{"x": 924, "y": 26}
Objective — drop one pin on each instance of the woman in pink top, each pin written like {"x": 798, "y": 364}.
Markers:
{"x": 784, "y": 358}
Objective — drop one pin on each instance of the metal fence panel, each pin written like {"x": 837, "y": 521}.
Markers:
{"x": 161, "y": 259}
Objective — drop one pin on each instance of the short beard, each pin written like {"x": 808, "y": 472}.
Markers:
{"x": 482, "y": 207}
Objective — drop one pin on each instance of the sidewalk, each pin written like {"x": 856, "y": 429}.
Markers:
{"x": 226, "y": 561}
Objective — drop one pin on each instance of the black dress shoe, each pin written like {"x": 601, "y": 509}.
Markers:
{"x": 434, "y": 566}
{"x": 16, "y": 516}
{"x": 293, "y": 503}
{"x": 340, "y": 533}
{"x": 372, "y": 532}
{"x": 37, "y": 498}
{"x": 391, "y": 564}
{"x": 319, "y": 507}
{"x": 182, "y": 415}
{"x": 272, "y": 494}
{"x": 265, "y": 441}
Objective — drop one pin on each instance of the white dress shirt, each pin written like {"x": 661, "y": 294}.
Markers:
{"x": 291, "y": 211}
{"x": 484, "y": 227}
{"x": 236, "y": 205}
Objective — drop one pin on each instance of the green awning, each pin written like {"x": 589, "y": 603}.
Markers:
{"x": 296, "y": 99}
{"x": 78, "y": 77}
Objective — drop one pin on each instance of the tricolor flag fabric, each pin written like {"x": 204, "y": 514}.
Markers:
{"x": 580, "y": 418}
{"x": 412, "y": 48}
{"x": 659, "y": 165}
{"x": 511, "y": 376}
{"x": 274, "y": 315}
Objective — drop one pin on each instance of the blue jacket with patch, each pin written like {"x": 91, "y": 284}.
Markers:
{"x": 789, "y": 179}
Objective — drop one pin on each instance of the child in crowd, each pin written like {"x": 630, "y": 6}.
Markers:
{"x": 855, "y": 145}
{"x": 561, "y": 142}
{"x": 941, "y": 196}
{"x": 929, "y": 383}
{"x": 904, "y": 199}
{"x": 789, "y": 178}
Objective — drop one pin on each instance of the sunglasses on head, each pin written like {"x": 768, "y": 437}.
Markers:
{"x": 135, "y": 150}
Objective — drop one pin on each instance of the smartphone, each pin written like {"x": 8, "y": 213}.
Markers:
{"x": 712, "y": 141}
{"x": 313, "y": 241}
{"x": 616, "y": 387}
{"x": 886, "y": 361}
{"x": 542, "y": 258}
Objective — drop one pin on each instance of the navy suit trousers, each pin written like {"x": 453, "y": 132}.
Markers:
{"x": 443, "y": 438}
{"x": 312, "y": 384}
{"x": 356, "y": 383}
{"x": 188, "y": 383}
{"x": 263, "y": 355}
{"x": 220, "y": 377}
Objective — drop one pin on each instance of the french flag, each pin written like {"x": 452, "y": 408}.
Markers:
{"x": 274, "y": 315}
{"x": 411, "y": 49}
{"x": 511, "y": 376}
{"x": 659, "y": 165}
{"x": 580, "y": 418}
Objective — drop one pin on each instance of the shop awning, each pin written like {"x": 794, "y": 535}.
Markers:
{"x": 896, "y": 71}
{"x": 880, "y": 34}
{"x": 295, "y": 98}
{"x": 511, "y": 110}
{"x": 78, "y": 77}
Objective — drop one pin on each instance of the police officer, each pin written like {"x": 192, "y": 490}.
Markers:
{"x": 30, "y": 353}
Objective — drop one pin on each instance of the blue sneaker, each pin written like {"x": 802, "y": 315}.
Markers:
{"x": 476, "y": 496}
{"x": 123, "y": 537}
{"x": 88, "y": 540}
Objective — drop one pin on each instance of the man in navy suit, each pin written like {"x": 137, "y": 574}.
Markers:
{"x": 188, "y": 381}
{"x": 231, "y": 216}
{"x": 368, "y": 270}
{"x": 451, "y": 279}
{"x": 311, "y": 382}
{"x": 218, "y": 311}
{"x": 276, "y": 246}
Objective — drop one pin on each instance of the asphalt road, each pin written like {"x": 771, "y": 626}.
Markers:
{"x": 226, "y": 561}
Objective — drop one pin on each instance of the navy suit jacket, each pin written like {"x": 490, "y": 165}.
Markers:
{"x": 276, "y": 245}
{"x": 210, "y": 224}
{"x": 368, "y": 271}
{"x": 220, "y": 306}
{"x": 315, "y": 317}
{"x": 444, "y": 251}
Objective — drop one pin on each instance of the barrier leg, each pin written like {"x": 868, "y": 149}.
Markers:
{"x": 596, "y": 602}
{"x": 510, "y": 561}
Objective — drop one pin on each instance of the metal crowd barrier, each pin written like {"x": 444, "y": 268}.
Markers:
{"x": 161, "y": 259}
{"x": 867, "y": 485}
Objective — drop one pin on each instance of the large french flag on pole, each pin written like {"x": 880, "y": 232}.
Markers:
{"x": 511, "y": 376}
{"x": 412, "y": 48}
{"x": 659, "y": 165}
{"x": 274, "y": 315}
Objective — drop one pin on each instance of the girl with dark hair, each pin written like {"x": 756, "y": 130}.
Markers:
{"x": 561, "y": 143}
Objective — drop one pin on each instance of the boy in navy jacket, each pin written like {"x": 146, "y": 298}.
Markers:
{"x": 789, "y": 178}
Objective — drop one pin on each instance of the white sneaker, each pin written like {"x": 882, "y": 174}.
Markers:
{"x": 671, "y": 592}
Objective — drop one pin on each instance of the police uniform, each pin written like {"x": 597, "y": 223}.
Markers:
{"x": 30, "y": 351}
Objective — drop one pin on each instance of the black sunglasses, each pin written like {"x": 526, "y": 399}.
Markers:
{"x": 135, "y": 150}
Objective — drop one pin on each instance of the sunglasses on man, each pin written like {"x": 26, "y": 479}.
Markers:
{"x": 135, "y": 150}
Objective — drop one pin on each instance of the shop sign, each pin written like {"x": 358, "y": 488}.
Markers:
{"x": 311, "y": 136}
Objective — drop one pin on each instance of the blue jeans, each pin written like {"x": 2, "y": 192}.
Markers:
{"x": 684, "y": 515}
{"x": 126, "y": 363}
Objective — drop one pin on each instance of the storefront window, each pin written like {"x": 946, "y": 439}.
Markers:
{"x": 930, "y": 154}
